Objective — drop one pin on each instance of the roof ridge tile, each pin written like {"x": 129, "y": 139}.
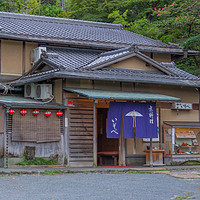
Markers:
{"x": 61, "y": 20}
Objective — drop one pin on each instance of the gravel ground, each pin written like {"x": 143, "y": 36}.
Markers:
{"x": 96, "y": 187}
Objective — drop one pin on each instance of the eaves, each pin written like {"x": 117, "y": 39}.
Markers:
{"x": 93, "y": 76}
{"x": 91, "y": 44}
{"x": 67, "y": 42}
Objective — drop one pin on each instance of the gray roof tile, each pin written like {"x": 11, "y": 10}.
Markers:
{"x": 181, "y": 73}
{"x": 68, "y": 29}
{"x": 72, "y": 58}
{"x": 71, "y": 61}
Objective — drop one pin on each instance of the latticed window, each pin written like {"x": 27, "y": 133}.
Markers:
{"x": 29, "y": 128}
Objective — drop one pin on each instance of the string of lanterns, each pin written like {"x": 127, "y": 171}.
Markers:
{"x": 47, "y": 113}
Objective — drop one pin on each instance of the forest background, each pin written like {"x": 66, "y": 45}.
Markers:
{"x": 175, "y": 21}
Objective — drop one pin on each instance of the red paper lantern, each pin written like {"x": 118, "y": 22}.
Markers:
{"x": 59, "y": 113}
{"x": 36, "y": 112}
{"x": 11, "y": 112}
{"x": 23, "y": 112}
{"x": 47, "y": 113}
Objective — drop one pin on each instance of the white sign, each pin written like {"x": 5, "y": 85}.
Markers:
{"x": 182, "y": 106}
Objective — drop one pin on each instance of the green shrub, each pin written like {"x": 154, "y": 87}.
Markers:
{"x": 37, "y": 161}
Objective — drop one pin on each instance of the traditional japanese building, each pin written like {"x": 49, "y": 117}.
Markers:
{"x": 59, "y": 76}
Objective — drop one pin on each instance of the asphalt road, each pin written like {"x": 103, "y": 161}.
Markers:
{"x": 96, "y": 187}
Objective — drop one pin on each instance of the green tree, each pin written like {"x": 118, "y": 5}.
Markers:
{"x": 21, "y": 6}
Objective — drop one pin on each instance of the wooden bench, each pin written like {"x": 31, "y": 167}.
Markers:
{"x": 113, "y": 154}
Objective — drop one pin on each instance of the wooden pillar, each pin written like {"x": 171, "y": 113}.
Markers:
{"x": 94, "y": 135}
{"x": 134, "y": 139}
{"x": 151, "y": 153}
{"x": 66, "y": 138}
{"x": 160, "y": 130}
{"x": 122, "y": 152}
{"x": 66, "y": 127}
{"x": 199, "y": 104}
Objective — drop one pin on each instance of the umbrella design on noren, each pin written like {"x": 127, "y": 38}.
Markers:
{"x": 134, "y": 114}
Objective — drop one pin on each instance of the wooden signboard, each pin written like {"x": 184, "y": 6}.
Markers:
{"x": 185, "y": 134}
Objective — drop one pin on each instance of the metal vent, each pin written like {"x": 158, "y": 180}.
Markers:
{"x": 29, "y": 90}
{"x": 38, "y": 91}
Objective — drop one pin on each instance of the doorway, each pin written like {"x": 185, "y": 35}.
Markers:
{"x": 107, "y": 148}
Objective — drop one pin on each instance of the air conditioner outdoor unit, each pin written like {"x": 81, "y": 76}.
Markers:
{"x": 29, "y": 90}
{"x": 36, "y": 54}
{"x": 43, "y": 91}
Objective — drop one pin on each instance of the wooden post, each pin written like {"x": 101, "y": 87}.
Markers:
{"x": 159, "y": 127}
{"x": 66, "y": 135}
{"x": 94, "y": 135}
{"x": 66, "y": 151}
{"x": 122, "y": 152}
{"x": 151, "y": 153}
{"x": 173, "y": 139}
{"x": 134, "y": 139}
{"x": 199, "y": 104}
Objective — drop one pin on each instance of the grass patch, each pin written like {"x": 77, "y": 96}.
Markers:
{"x": 49, "y": 172}
{"x": 85, "y": 172}
{"x": 37, "y": 161}
{"x": 147, "y": 172}
{"x": 189, "y": 195}
{"x": 191, "y": 162}
{"x": 70, "y": 172}
{"x": 139, "y": 172}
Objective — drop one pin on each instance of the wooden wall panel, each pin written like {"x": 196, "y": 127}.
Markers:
{"x": 28, "y": 47}
{"x": 133, "y": 63}
{"x": 57, "y": 91}
{"x": 11, "y": 61}
{"x": 80, "y": 135}
{"x": 162, "y": 57}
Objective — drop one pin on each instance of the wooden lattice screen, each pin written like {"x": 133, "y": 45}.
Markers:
{"x": 48, "y": 129}
{"x": 38, "y": 129}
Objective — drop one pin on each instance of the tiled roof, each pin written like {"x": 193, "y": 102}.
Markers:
{"x": 74, "y": 62}
{"x": 108, "y": 56}
{"x": 69, "y": 31}
{"x": 78, "y": 59}
{"x": 172, "y": 67}
{"x": 72, "y": 58}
